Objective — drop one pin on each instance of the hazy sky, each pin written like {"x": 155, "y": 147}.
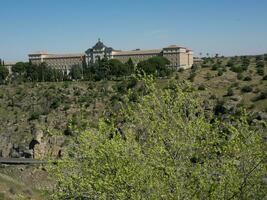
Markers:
{"x": 228, "y": 27}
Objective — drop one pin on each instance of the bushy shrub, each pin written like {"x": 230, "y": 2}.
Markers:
{"x": 192, "y": 76}
{"x": 220, "y": 72}
{"x": 208, "y": 76}
{"x": 237, "y": 69}
{"x": 240, "y": 76}
{"x": 202, "y": 87}
{"x": 230, "y": 92}
{"x": 215, "y": 67}
{"x": 247, "y": 78}
{"x": 34, "y": 116}
{"x": 261, "y": 96}
{"x": 260, "y": 71}
{"x": 247, "y": 88}
{"x": 264, "y": 77}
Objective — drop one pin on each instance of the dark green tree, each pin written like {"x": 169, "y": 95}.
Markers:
{"x": 3, "y": 74}
{"x": 76, "y": 72}
{"x": 20, "y": 68}
{"x": 157, "y": 65}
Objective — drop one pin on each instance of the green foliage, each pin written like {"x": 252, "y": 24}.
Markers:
{"x": 247, "y": 78}
{"x": 261, "y": 96}
{"x": 192, "y": 76}
{"x": 247, "y": 88}
{"x": 20, "y": 67}
{"x": 215, "y": 67}
{"x": 264, "y": 77}
{"x": 260, "y": 71}
{"x": 220, "y": 72}
{"x": 238, "y": 69}
{"x": 34, "y": 116}
{"x": 208, "y": 76}
{"x": 240, "y": 76}
{"x": 76, "y": 72}
{"x": 3, "y": 73}
{"x": 164, "y": 147}
{"x": 201, "y": 87}
{"x": 157, "y": 66}
{"x": 230, "y": 91}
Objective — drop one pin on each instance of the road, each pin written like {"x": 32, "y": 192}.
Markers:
{"x": 21, "y": 161}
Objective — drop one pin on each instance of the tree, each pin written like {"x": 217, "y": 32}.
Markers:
{"x": 157, "y": 65}
{"x": 3, "y": 73}
{"x": 76, "y": 72}
{"x": 19, "y": 68}
{"x": 164, "y": 146}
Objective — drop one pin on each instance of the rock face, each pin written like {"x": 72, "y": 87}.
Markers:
{"x": 5, "y": 147}
{"x": 52, "y": 146}
{"x": 40, "y": 146}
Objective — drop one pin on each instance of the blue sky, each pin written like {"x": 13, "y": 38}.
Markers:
{"x": 228, "y": 27}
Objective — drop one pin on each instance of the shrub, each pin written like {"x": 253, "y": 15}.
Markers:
{"x": 247, "y": 78}
{"x": 220, "y": 72}
{"x": 205, "y": 65}
{"x": 264, "y": 77}
{"x": 34, "y": 116}
{"x": 192, "y": 76}
{"x": 247, "y": 88}
{"x": 237, "y": 69}
{"x": 260, "y": 71}
{"x": 201, "y": 87}
{"x": 240, "y": 76}
{"x": 208, "y": 76}
{"x": 230, "y": 91}
{"x": 262, "y": 95}
{"x": 215, "y": 67}
{"x": 260, "y": 64}
{"x": 180, "y": 69}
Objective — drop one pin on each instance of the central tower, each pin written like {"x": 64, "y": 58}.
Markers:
{"x": 98, "y": 51}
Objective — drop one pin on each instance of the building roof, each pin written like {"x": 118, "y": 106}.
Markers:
{"x": 136, "y": 52}
{"x": 173, "y": 47}
{"x": 99, "y": 45}
{"x": 50, "y": 55}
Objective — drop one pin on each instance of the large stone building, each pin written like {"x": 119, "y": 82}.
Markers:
{"x": 57, "y": 61}
{"x": 179, "y": 57}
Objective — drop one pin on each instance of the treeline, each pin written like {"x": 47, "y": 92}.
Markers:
{"x": 103, "y": 69}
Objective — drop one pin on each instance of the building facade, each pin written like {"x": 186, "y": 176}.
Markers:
{"x": 57, "y": 61}
{"x": 179, "y": 57}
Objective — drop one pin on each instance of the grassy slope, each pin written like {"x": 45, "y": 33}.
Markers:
{"x": 57, "y": 103}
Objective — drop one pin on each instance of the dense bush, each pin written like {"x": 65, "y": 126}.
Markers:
{"x": 192, "y": 76}
{"x": 34, "y": 116}
{"x": 247, "y": 88}
{"x": 247, "y": 78}
{"x": 3, "y": 74}
{"x": 202, "y": 87}
{"x": 240, "y": 76}
{"x": 230, "y": 92}
{"x": 264, "y": 77}
{"x": 158, "y": 66}
{"x": 220, "y": 72}
{"x": 260, "y": 71}
{"x": 261, "y": 96}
